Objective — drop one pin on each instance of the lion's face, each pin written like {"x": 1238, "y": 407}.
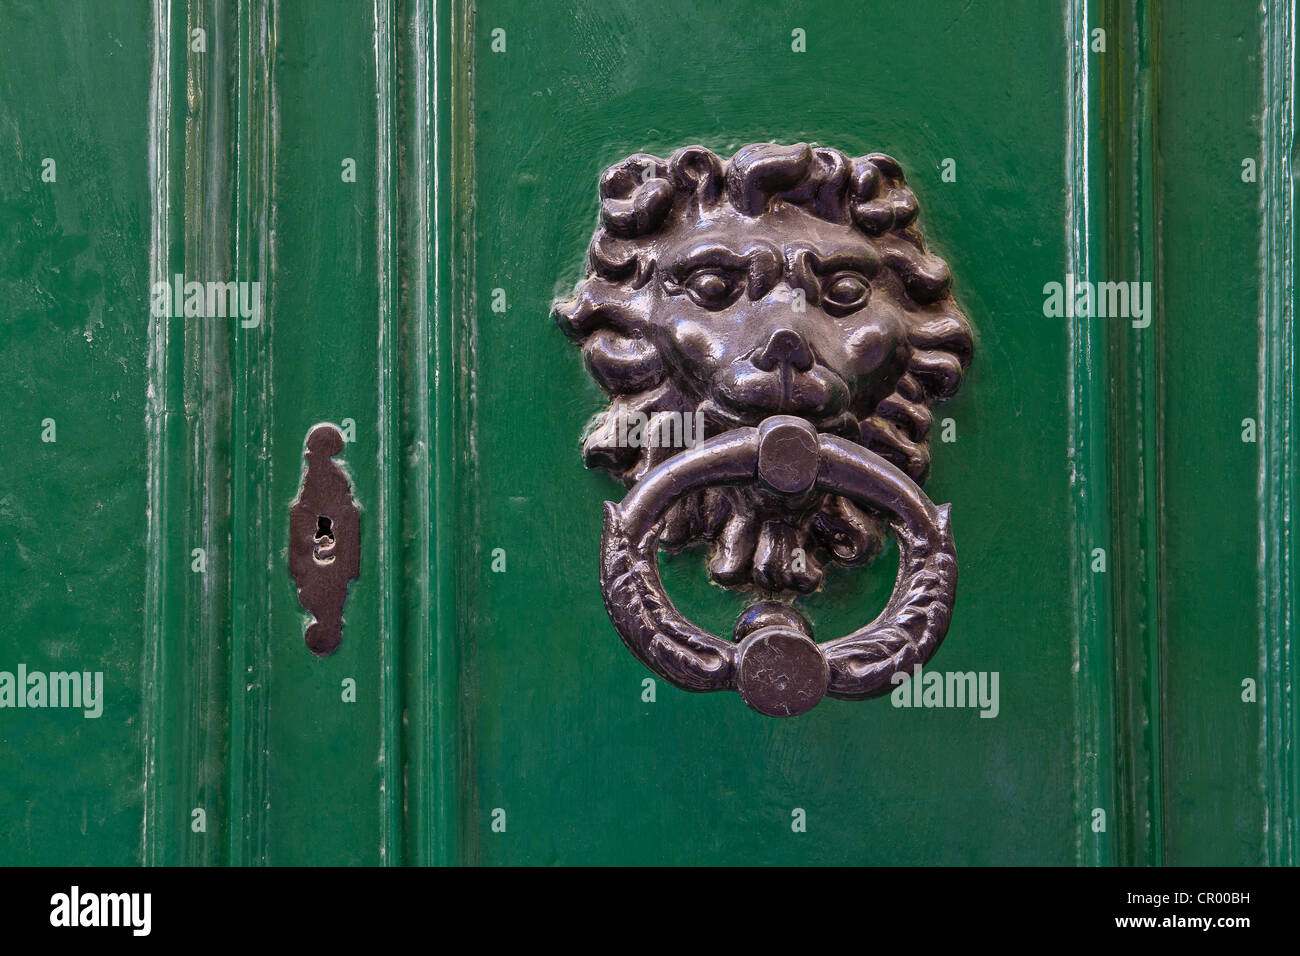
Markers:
{"x": 787, "y": 280}
{"x": 778, "y": 314}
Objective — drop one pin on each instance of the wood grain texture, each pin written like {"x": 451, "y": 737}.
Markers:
{"x": 478, "y": 691}
{"x": 1280, "y": 725}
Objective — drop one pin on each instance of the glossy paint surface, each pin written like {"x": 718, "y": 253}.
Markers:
{"x": 497, "y": 719}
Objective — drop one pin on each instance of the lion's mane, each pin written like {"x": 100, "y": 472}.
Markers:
{"x": 641, "y": 196}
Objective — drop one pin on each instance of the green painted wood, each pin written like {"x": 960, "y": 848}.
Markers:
{"x": 1226, "y": 356}
{"x": 74, "y": 274}
{"x": 1277, "y": 403}
{"x": 1089, "y": 410}
{"x": 1135, "y": 456}
{"x": 558, "y": 735}
{"x": 258, "y": 519}
{"x": 1120, "y": 691}
{"x": 331, "y": 765}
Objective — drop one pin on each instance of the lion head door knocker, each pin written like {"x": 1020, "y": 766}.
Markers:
{"x": 783, "y": 304}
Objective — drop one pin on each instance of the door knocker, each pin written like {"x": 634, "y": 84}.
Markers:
{"x": 772, "y": 335}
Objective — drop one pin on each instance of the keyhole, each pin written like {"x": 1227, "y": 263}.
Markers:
{"x": 323, "y": 552}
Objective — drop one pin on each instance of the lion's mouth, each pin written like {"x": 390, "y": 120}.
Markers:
{"x": 745, "y": 394}
{"x": 719, "y": 417}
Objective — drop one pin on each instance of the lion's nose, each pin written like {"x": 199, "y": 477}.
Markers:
{"x": 786, "y": 348}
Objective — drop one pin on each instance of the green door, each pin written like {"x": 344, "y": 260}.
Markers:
{"x": 223, "y": 224}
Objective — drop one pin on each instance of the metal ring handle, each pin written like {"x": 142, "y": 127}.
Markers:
{"x": 774, "y": 664}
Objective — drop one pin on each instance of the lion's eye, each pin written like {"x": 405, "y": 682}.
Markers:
{"x": 846, "y": 292}
{"x": 713, "y": 290}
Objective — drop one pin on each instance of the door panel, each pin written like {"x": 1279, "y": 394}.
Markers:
{"x": 1225, "y": 354}
{"x": 561, "y": 738}
{"x": 73, "y": 282}
{"x": 411, "y": 186}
